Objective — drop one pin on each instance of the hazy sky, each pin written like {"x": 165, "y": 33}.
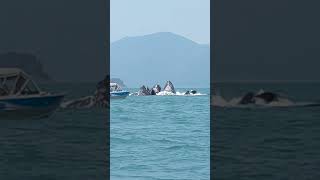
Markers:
{"x": 189, "y": 18}
{"x": 68, "y": 37}
{"x": 266, "y": 40}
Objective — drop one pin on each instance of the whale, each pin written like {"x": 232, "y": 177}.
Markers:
{"x": 190, "y": 92}
{"x": 143, "y": 91}
{"x": 252, "y": 98}
{"x": 156, "y": 88}
{"x": 193, "y": 91}
{"x": 247, "y": 98}
{"x": 268, "y": 97}
{"x": 260, "y": 99}
{"x": 152, "y": 92}
{"x": 168, "y": 87}
{"x": 98, "y": 99}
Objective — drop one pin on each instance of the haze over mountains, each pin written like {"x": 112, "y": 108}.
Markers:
{"x": 27, "y": 62}
{"x": 68, "y": 37}
{"x": 155, "y": 58}
{"x": 266, "y": 41}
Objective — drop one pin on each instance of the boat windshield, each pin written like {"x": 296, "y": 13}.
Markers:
{"x": 114, "y": 87}
{"x": 30, "y": 88}
{"x": 4, "y": 91}
{"x": 20, "y": 82}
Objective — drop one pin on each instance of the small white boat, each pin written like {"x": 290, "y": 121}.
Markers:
{"x": 21, "y": 98}
{"x": 116, "y": 92}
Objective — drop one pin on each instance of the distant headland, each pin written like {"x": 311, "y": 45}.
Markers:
{"x": 27, "y": 62}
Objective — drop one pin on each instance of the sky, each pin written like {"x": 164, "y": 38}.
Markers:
{"x": 189, "y": 18}
{"x": 68, "y": 37}
{"x": 266, "y": 40}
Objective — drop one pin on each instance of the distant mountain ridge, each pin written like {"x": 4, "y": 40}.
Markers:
{"x": 27, "y": 62}
{"x": 155, "y": 58}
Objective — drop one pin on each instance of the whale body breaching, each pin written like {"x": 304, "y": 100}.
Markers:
{"x": 169, "y": 87}
{"x": 266, "y": 97}
{"x": 156, "y": 90}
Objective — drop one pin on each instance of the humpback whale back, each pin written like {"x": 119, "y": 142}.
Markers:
{"x": 268, "y": 96}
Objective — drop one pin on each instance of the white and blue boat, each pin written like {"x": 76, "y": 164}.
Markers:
{"x": 116, "y": 92}
{"x": 21, "y": 98}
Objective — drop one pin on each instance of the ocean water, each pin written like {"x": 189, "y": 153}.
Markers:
{"x": 160, "y": 137}
{"x": 69, "y": 145}
{"x": 270, "y": 142}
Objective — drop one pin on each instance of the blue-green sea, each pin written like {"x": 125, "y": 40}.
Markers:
{"x": 160, "y": 137}
{"x": 72, "y": 144}
{"x": 154, "y": 137}
{"x": 270, "y": 142}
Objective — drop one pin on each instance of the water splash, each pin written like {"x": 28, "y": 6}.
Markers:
{"x": 166, "y": 93}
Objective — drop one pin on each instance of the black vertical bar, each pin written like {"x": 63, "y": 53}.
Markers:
{"x": 213, "y": 13}
{"x": 107, "y": 15}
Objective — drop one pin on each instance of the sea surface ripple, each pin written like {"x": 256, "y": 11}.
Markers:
{"x": 160, "y": 137}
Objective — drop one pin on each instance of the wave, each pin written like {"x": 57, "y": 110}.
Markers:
{"x": 84, "y": 102}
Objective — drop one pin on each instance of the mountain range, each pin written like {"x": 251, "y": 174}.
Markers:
{"x": 27, "y": 62}
{"x": 155, "y": 58}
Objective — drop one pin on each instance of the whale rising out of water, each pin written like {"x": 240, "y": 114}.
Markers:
{"x": 98, "y": 99}
{"x": 145, "y": 91}
{"x": 260, "y": 99}
{"x": 156, "y": 90}
{"x": 169, "y": 87}
{"x": 266, "y": 97}
{"x": 100, "y": 96}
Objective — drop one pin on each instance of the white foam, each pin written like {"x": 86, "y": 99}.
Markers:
{"x": 78, "y": 102}
{"x": 282, "y": 102}
{"x": 167, "y": 93}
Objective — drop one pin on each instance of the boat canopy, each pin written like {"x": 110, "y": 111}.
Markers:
{"x": 9, "y": 71}
{"x": 114, "y": 87}
{"x": 14, "y": 81}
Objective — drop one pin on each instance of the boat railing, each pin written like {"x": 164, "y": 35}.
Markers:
{"x": 17, "y": 84}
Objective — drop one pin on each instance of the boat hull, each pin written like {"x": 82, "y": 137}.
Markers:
{"x": 29, "y": 107}
{"x": 119, "y": 95}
